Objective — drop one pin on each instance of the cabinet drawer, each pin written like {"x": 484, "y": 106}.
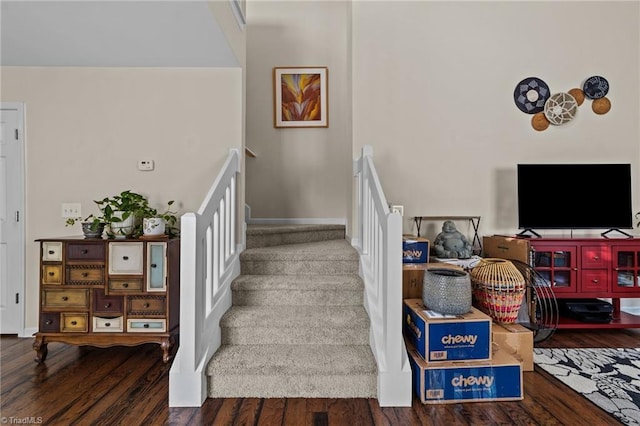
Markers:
{"x": 52, "y": 251}
{"x": 126, "y": 258}
{"x": 125, "y": 284}
{"x": 52, "y": 274}
{"x": 74, "y": 322}
{"x": 108, "y": 325}
{"x": 146, "y": 305}
{"x": 595, "y": 257}
{"x": 85, "y": 275}
{"x": 147, "y": 325}
{"x": 85, "y": 251}
{"x": 595, "y": 280}
{"x": 104, "y": 304}
{"x": 50, "y": 322}
{"x": 65, "y": 299}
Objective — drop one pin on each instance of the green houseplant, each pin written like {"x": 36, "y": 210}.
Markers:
{"x": 124, "y": 214}
{"x": 92, "y": 225}
{"x": 159, "y": 223}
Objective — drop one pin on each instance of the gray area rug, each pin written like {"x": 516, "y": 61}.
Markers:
{"x": 608, "y": 377}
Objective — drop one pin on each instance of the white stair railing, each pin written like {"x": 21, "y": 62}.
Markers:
{"x": 209, "y": 261}
{"x": 378, "y": 239}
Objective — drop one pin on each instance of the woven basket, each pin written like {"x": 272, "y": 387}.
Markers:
{"x": 498, "y": 289}
{"x": 447, "y": 291}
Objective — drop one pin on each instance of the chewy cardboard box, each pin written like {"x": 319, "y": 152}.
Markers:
{"x": 415, "y": 249}
{"x": 510, "y": 248}
{"x": 452, "y": 338}
{"x": 516, "y": 340}
{"x": 498, "y": 379}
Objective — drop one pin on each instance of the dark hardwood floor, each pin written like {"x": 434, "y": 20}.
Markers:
{"x": 129, "y": 386}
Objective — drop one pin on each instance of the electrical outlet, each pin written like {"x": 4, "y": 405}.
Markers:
{"x": 145, "y": 165}
{"x": 398, "y": 209}
{"x": 71, "y": 210}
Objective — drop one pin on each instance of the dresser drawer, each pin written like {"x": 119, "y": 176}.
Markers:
{"x": 85, "y": 252}
{"x": 52, "y": 274}
{"x": 596, "y": 280}
{"x": 149, "y": 325}
{"x": 51, "y": 251}
{"x": 146, "y": 305}
{"x": 108, "y": 325}
{"x": 50, "y": 322}
{"x": 107, "y": 304}
{"x": 126, "y": 258}
{"x": 85, "y": 275}
{"x": 595, "y": 257}
{"x": 65, "y": 299}
{"x": 74, "y": 322}
{"x": 125, "y": 285}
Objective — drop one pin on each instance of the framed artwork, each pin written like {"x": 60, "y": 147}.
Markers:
{"x": 300, "y": 97}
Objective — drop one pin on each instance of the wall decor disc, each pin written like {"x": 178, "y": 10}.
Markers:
{"x": 560, "y": 108}
{"x": 596, "y": 87}
{"x": 539, "y": 122}
{"x": 601, "y": 105}
{"x": 578, "y": 94}
{"x": 531, "y": 94}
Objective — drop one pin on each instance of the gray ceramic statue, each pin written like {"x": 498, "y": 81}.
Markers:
{"x": 451, "y": 243}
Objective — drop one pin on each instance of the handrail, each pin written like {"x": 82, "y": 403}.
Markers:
{"x": 209, "y": 261}
{"x": 378, "y": 239}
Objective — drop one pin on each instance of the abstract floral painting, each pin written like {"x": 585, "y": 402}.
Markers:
{"x": 300, "y": 97}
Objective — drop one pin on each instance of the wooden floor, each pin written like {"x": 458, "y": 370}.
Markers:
{"x": 129, "y": 386}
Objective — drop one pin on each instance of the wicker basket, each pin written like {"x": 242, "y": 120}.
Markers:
{"x": 498, "y": 289}
{"x": 447, "y": 291}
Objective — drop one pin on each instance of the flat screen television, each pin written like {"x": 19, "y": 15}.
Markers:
{"x": 574, "y": 196}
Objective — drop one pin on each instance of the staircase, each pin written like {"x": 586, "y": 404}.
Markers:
{"x": 297, "y": 326}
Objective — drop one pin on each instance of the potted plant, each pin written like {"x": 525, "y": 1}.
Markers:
{"x": 92, "y": 226}
{"x": 123, "y": 213}
{"x": 155, "y": 223}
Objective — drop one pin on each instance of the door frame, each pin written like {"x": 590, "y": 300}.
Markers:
{"x": 19, "y": 271}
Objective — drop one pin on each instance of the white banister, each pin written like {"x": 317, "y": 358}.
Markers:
{"x": 378, "y": 239}
{"x": 209, "y": 261}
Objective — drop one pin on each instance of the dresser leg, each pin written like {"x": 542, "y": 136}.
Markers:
{"x": 166, "y": 350}
{"x": 40, "y": 346}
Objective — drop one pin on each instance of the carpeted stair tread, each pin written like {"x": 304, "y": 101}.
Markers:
{"x": 295, "y": 317}
{"x": 308, "y": 290}
{"x": 294, "y": 282}
{"x": 274, "y": 235}
{"x": 291, "y": 360}
{"x": 267, "y": 229}
{"x": 339, "y": 250}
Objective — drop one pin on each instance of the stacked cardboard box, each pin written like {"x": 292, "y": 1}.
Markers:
{"x": 453, "y": 358}
{"x": 415, "y": 249}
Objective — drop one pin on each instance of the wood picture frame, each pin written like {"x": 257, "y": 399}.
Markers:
{"x": 300, "y": 97}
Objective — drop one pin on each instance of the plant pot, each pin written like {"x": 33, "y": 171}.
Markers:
{"x": 153, "y": 226}
{"x": 447, "y": 291}
{"x": 90, "y": 230}
{"x": 124, "y": 228}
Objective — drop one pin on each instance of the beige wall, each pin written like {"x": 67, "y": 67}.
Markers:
{"x": 298, "y": 173}
{"x": 433, "y": 87}
{"x": 432, "y": 92}
{"x": 86, "y": 128}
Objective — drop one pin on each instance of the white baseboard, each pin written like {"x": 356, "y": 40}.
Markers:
{"x": 296, "y": 221}
{"x": 631, "y": 310}
{"x": 28, "y": 332}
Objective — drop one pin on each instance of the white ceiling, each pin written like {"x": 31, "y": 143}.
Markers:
{"x": 109, "y": 33}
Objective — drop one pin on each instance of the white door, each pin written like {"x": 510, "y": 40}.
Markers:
{"x": 12, "y": 246}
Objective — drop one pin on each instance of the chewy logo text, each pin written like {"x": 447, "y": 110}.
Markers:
{"x": 450, "y": 339}
{"x": 412, "y": 253}
{"x": 486, "y": 381}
